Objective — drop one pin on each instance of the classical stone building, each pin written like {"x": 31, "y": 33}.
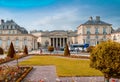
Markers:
{"x": 12, "y": 32}
{"x": 56, "y": 38}
{"x": 115, "y": 36}
{"x": 93, "y": 31}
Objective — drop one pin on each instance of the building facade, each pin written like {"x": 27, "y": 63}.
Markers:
{"x": 12, "y": 32}
{"x": 115, "y": 36}
{"x": 93, "y": 31}
{"x": 56, "y": 38}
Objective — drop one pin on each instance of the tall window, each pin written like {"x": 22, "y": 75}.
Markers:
{"x": 17, "y": 42}
{"x": 104, "y": 30}
{"x": 13, "y": 32}
{"x": 88, "y": 37}
{"x": 96, "y": 31}
{"x": 8, "y": 42}
{"x": 104, "y": 37}
{"x": 0, "y": 42}
{"x": 3, "y": 26}
{"x": 88, "y": 30}
{"x": 25, "y": 41}
{"x": 0, "y": 31}
{"x": 11, "y": 26}
{"x": 96, "y": 37}
{"x": 9, "y": 32}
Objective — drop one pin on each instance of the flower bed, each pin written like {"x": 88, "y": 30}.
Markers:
{"x": 7, "y": 59}
{"x": 13, "y": 74}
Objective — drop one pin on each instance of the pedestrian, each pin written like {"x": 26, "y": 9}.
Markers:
{"x": 40, "y": 50}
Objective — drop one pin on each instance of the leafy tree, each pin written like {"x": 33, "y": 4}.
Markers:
{"x": 11, "y": 51}
{"x": 25, "y": 50}
{"x": 66, "y": 50}
{"x": 50, "y": 49}
{"x": 1, "y": 51}
{"x": 90, "y": 48}
{"x": 106, "y": 58}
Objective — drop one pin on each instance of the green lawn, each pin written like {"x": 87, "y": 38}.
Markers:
{"x": 64, "y": 66}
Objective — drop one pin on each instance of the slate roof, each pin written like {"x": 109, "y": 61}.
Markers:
{"x": 3, "y": 26}
{"x": 95, "y": 22}
{"x": 116, "y": 31}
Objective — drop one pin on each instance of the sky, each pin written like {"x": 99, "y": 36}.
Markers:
{"x": 59, "y": 14}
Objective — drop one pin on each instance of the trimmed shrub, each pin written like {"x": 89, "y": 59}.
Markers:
{"x": 50, "y": 49}
{"x": 66, "y": 51}
{"x": 1, "y": 51}
{"x": 25, "y": 50}
{"x": 11, "y": 51}
{"x": 90, "y": 48}
{"x": 106, "y": 58}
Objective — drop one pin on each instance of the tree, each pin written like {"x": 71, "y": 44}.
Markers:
{"x": 1, "y": 51}
{"x": 90, "y": 48}
{"x": 11, "y": 51}
{"x": 25, "y": 50}
{"x": 66, "y": 50}
{"x": 106, "y": 58}
{"x": 50, "y": 49}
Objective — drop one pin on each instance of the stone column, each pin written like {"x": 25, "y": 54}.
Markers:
{"x": 53, "y": 42}
{"x": 63, "y": 42}
{"x": 60, "y": 42}
{"x": 56, "y": 42}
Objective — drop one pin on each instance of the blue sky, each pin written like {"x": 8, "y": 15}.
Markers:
{"x": 59, "y": 14}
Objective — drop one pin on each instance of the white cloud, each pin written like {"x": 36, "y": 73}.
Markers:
{"x": 63, "y": 20}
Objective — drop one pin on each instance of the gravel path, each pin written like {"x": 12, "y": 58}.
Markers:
{"x": 14, "y": 62}
{"x": 82, "y": 79}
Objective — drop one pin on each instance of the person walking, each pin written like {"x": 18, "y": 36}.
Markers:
{"x": 40, "y": 50}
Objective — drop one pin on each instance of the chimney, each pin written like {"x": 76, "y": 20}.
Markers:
{"x": 2, "y": 21}
{"x": 90, "y": 18}
{"x": 97, "y": 18}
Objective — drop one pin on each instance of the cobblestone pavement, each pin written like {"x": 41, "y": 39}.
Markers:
{"x": 46, "y": 73}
